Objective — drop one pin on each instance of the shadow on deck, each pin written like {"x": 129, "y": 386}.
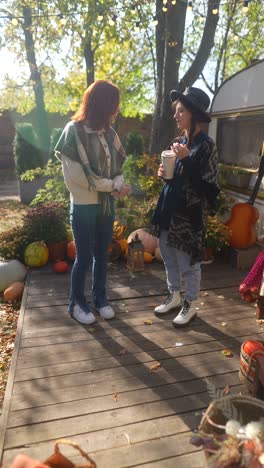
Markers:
{"x": 97, "y": 385}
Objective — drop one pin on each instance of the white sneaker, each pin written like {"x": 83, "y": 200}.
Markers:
{"x": 185, "y": 315}
{"x": 86, "y": 318}
{"x": 173, "y": 300}
{"x": 106, "y": 312}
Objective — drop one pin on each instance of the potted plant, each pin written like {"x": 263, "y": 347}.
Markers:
{"x": 48, "y": 222}
{"x": 238, "y": 176}
{"x": 216, "y": 238}
{"x": 28, "y": 155}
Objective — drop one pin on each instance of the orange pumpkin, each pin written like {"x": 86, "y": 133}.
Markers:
{"x": 149, "y": 242}
{"x": 148, "y": 257}
{"x": 123, "y": 245}
{"x": 71, "y": 250}
{"x": 60, "y": 267}
{"x": 14, "y": 291}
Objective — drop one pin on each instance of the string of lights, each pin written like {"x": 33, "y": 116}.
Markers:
{"x": 113, "y": 18}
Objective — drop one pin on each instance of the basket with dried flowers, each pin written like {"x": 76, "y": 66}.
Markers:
{"x": 232, "y": 431}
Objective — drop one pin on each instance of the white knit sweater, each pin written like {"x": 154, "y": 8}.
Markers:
{"x": 77, "y": 184}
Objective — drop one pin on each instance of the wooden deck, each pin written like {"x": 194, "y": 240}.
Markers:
{"x": 96, "y": 384}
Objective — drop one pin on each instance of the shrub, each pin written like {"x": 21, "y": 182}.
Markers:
{"x": 143, "y": 171}
{"x": 217, "y": 234}
{"x": 27, "y": 153}
{"x": 47, "y": 222}
{"x": 55, "y": 189}
{"x": 134, "y": 144}
{"x": 13, "y": 243}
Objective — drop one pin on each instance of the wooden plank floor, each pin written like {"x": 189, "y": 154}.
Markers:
{"x": 95, "y": 384}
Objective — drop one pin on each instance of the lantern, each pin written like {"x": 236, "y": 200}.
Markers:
{"x": 135, "y": 257}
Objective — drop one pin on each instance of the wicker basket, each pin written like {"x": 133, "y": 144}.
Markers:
{"x": 248, "y": 367}
{"x": 250, "y": 409}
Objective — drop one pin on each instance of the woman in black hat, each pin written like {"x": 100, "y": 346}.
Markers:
{"x": 180, "y": 217}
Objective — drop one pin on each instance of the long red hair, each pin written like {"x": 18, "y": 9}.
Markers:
{"x": 99, "y": 103}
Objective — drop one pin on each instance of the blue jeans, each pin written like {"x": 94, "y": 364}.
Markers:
{"x": 177, "y": 266}
{"x": 92, "y": 234}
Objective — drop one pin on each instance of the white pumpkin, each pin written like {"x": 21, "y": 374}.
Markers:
{"x": 10, "y": 272}
{"x": 149, "y": 242}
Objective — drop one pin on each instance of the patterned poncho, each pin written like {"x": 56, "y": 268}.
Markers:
{"x": 184, "y": 202}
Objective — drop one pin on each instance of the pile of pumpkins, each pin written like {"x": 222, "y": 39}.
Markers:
{"x": 13, "y": 272}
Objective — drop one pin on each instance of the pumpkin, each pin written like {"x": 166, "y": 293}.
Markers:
{"x": 148, "y": 257}
{"x": 69, "y": 235}
{"x": 14, "y": 291}
{"x": 60, "y": 267}
{"x": 252, "y": 346}
{"x": 158, "y": 255}
{"x": 10, "y": 272}
{"x": 149, "y": 242}
{"x": 71, "y": 250}
{"x": 123, "y": 245}
{"x": 36, "y": 254}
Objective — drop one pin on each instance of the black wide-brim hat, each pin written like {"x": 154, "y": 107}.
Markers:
{"x": 195, "y": 99}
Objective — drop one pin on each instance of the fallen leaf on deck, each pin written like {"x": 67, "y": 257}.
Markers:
{"x": 205, "y": 294}
{"x": 260, "y": 321}
{"x": 226, "y": 390}
{"x": 201, "y": 303}
{"x": 122, "y": 351}
{"x": 148, "y": 322}
{"x": 224, "y": 324}
{"x": 91, "y": 330}
{"x": 127, "y": 437}
{"x": 155, "y": 367}
{"x": 227, "y": 353}
{"x": 115, "y": 396}
{"x": 177, "y": 345}
{"x": 221, "y": 297}
{"x": 197, "y": 308}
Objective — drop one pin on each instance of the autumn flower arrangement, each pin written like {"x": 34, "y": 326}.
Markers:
{"x": 231, "y": 432}
{"x": 217, "y": 234}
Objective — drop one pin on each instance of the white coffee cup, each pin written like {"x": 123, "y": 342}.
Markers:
{"x": 168, "y": 160}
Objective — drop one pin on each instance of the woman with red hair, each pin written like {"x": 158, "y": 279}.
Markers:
{"x": 92, "y": 156}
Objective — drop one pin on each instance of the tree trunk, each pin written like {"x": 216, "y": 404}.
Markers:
{"x": 169, "y": 42}
{"x": 171, "y": 38}
{"x": 35, "y": 76}
{"x": 89, "y": 60}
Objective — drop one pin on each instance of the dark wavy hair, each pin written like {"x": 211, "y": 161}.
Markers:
{"x": 99, "y": 103}
{"x": 196, "y": 117}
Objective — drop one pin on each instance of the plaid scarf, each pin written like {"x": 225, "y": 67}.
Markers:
{"x": 100, "y": 154}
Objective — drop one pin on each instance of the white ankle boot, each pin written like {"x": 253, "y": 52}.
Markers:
{"x": 186, "y": 314}
{"x": 173, "y": 300}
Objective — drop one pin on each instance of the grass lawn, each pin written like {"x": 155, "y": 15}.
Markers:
{"x": 11, "y": 213}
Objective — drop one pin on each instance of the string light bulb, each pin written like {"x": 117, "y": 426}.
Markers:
{"x": 137, "y": 28}
{"x": 112, "y": 20}
{"x": 236, "y": 38}
{"x": 201, "y": 19}
{"x": 14, "y": 21}
{"x": 165, "y": 2}
{"x": 190, "y": 6}
{"x": 173, "y": 2}
{"x": 133, "y": 10}
{"x": 215, "y": 11}
{"x": 100, "y": 17}
{"x": 155, "y": 21}
{"x": 245, "y": 7}
{"x": 165, "y": 9}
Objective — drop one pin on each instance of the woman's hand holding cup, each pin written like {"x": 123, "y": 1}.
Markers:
{"x": 161, "y": 172}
